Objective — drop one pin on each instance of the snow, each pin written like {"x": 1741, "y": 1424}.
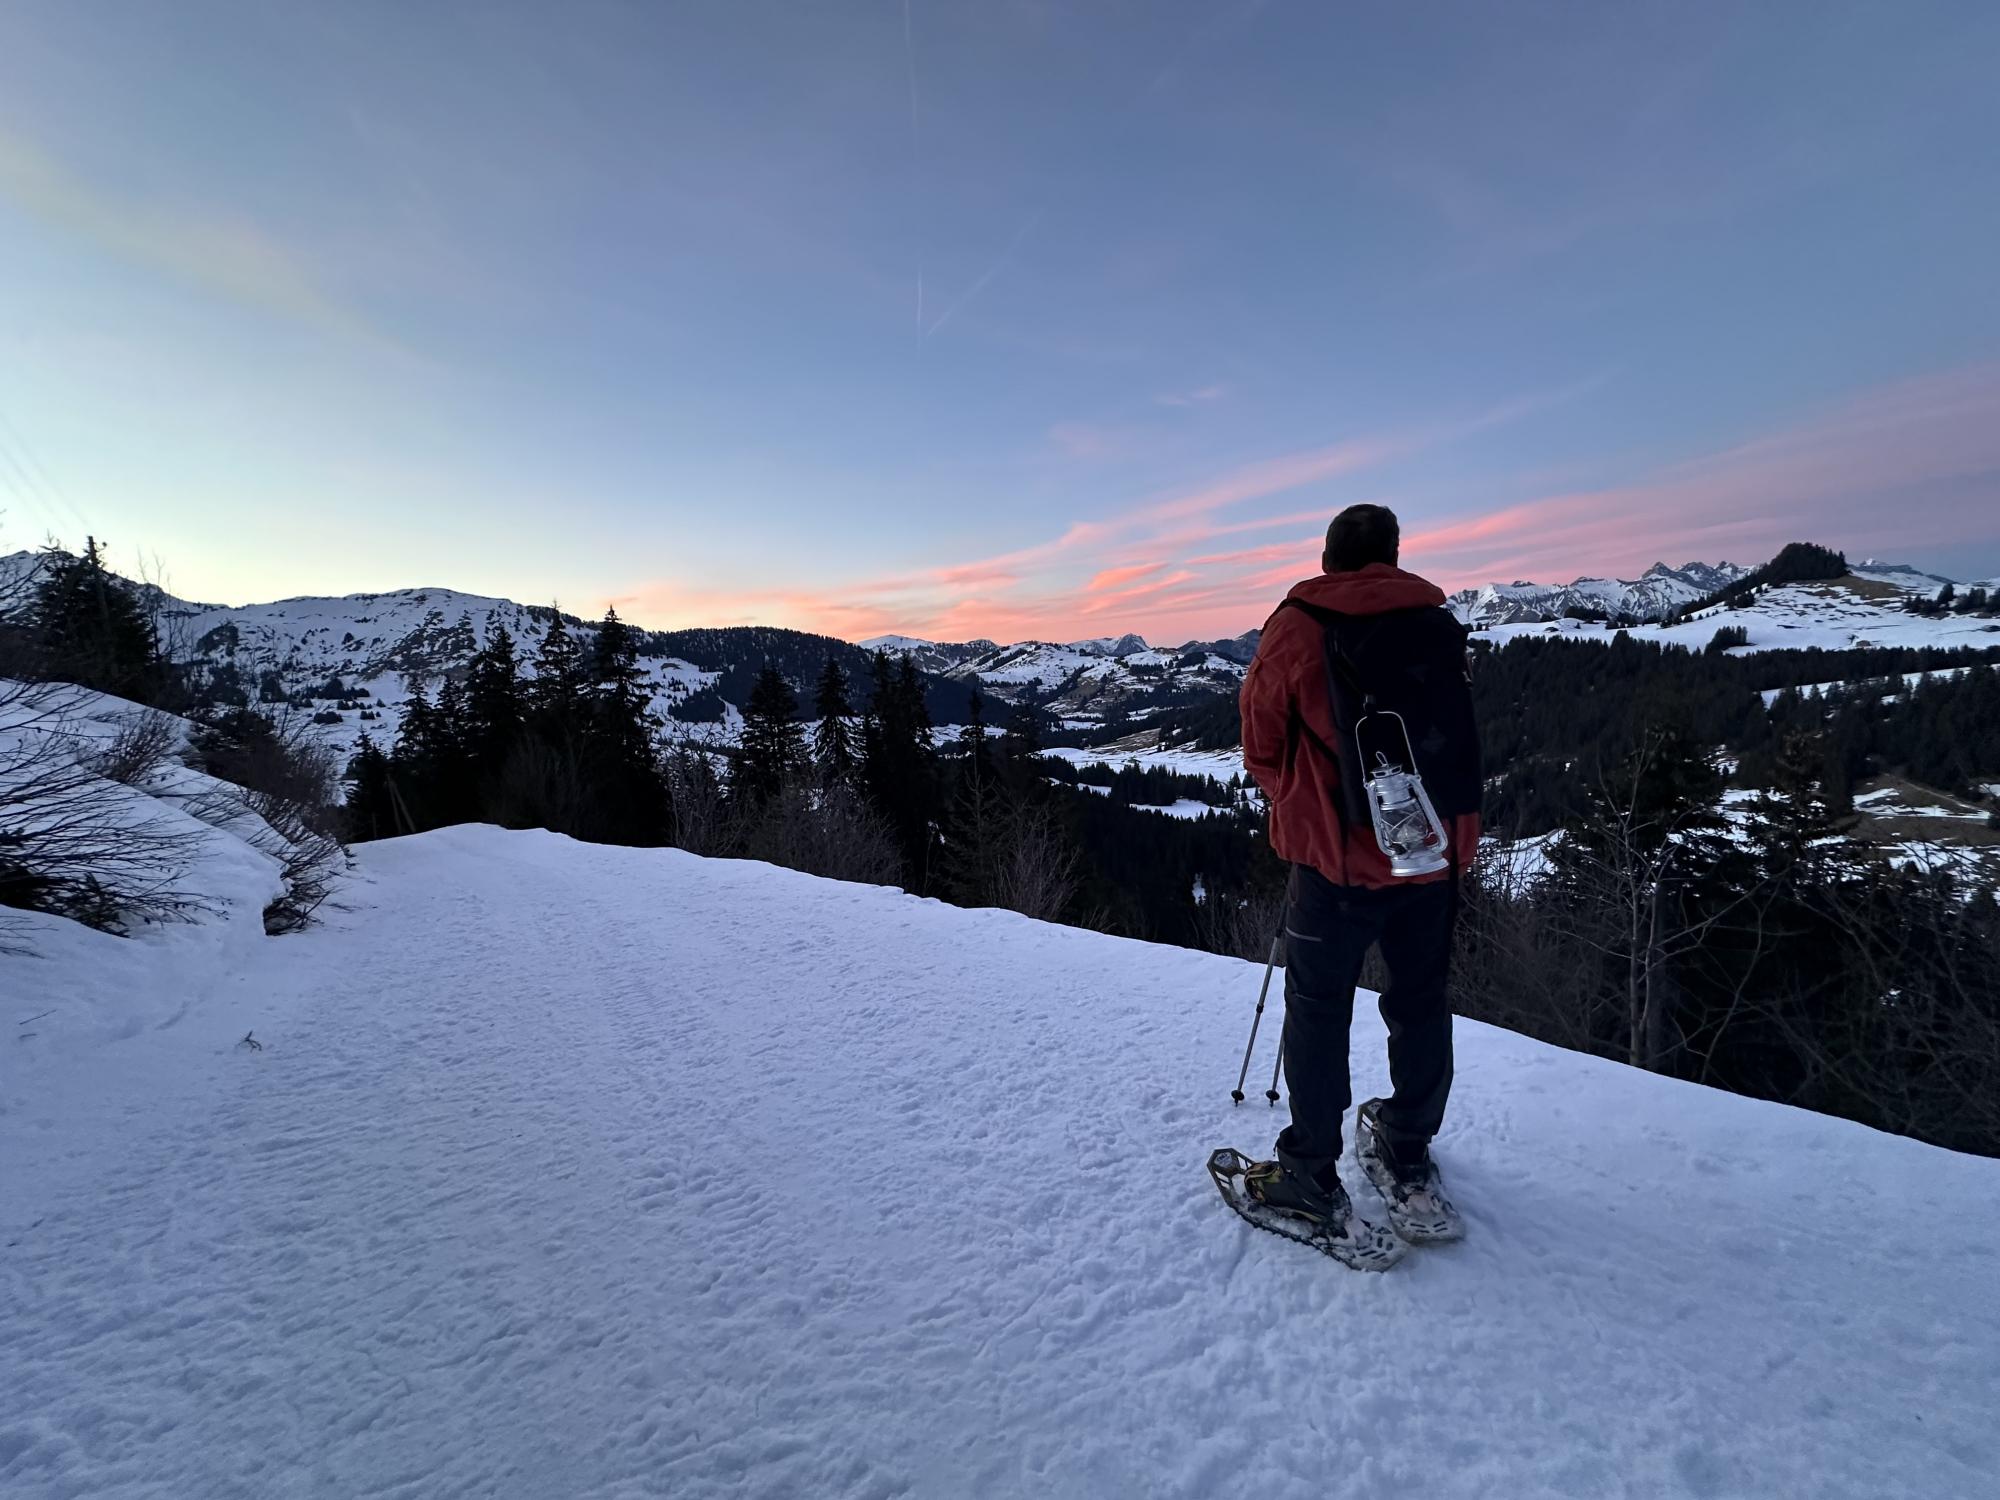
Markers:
{"x": 1830, "y": 616}
{"x": 1217, "y": 765}
{"x": 1184, "y": 807}
{"x": 1519, "y": 863}
{"x": 1910, "y": 682}
{"x": 581, "y": 1171}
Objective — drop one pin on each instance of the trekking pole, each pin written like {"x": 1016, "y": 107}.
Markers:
{"x": 1277, "y": 946}
{"x": 1277, "y": 1062}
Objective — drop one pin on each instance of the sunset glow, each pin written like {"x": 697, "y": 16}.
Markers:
{"x": 1026, "y": 322}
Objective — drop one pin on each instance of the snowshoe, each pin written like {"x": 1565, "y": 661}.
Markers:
{"x": 1269, "y": 1197}
{"x": 1413, "y": 1192}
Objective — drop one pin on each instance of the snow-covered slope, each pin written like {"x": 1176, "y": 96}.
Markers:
{"x": 1651, "y": 596}
{"x": 1083, "y": 678}
{"x": 1857, "y": 611}
{"x": 580, "y": 1171}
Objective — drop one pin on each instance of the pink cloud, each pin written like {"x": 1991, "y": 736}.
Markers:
{"x": 1904, "y": 466}
{"x": 1899, "y": 467}
{"x": 1112, "y": 578}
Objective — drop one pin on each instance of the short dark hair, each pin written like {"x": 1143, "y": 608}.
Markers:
{"x": 1360, "y": 535}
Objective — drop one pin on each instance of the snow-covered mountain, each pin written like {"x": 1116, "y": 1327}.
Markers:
{"x": 354, "y": 659}
{"x": 1107, "y": 675}
{"x": 1653, "y": 595}
{"x": 550, "y": 1173}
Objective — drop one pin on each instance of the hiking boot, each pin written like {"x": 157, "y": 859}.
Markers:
{"x": 1408, "y": 1180}
{"x": 1297, "y": 1195}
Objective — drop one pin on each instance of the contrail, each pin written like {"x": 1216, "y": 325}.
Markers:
{"x": 1120, "y": 122}
{"x": 916, "y": 160}
{"x": 991, "y": 271}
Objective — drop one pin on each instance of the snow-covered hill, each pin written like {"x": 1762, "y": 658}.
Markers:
{"x": 1652, "y": 596}
{"x": 1862, "y": 610}
{"x": 1091, "y": 678}
{"x": 558, "y": 1174}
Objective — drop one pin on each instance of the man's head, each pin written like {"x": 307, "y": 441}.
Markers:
{"x": 1360, "y": 535}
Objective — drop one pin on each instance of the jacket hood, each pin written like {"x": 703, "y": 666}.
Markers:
{"x": 1373, "y": 590}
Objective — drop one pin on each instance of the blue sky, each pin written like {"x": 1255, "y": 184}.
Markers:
{"x": 991, "y": 318}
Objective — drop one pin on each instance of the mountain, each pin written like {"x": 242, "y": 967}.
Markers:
{"x": 563, "y": 1169}
{"x": 1654, "y": 595}
{"x": 354, "y": 659}
{"x": 1108, "y": 677}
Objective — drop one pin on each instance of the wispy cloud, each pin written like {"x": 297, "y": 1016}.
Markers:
{"x": 1915, "y": 464}
{"x": 1152, "y": 562}
{"x": 1200, "y": 397}
{"x": 1112, "y": 578}
{"x": 222, "y": 253}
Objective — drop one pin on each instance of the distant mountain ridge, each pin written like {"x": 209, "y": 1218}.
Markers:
{"x": 358, "y": 654}
{"x": 1653, "y": 595}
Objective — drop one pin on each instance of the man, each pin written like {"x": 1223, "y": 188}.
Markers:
{"x": 1363, "y": 634}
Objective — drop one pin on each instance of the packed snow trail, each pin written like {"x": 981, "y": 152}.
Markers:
{"x": 579, "y": 1171}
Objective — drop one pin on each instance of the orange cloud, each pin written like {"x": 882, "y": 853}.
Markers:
{"x": 1903, "y": 466}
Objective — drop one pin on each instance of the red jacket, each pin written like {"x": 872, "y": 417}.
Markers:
{"x": 1286, "y": 684}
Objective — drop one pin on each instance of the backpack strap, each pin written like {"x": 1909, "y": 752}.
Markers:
{"x": 1338, "y": 667}
{"x": 1339, "y": 670}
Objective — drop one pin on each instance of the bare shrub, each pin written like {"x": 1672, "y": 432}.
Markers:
{"x": 542, "y": 786}
{"x": 142, "y": 746}
{"x": 1241, "y": 926}
{"x": 831, "y": 833}
{"x": 73, "y": 842}
{"x": 289, "y": 779}
{"x": 1035, "y": 869}
{"x": 704, "y": 821}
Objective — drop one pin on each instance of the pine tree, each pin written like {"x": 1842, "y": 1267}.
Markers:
{"x": 771, "y": 751}
{"x": 449, "y": 786}
{"x": 90, "y": 629}
{"x": 556, "y": 695}
{"x": 493, "y": 704}
{"x": 833, "y": 740}
{"x": 370, "y": 811}
{"x": 632, "y": 805}
{"x": 898, "y": 764}
{"x": 976, "y": 821}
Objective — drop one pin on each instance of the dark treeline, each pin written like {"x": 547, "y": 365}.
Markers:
{"x": 740, "y": 653}
{"x": 1148, "y": 786}
{"x": 1977, "y": 600}
{"x": 1554, "y": 713}
{"x": 570, "y": 748}
{"x": 1773, "y": 957}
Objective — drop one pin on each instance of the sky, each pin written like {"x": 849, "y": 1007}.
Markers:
{"x": 988, "y": 318}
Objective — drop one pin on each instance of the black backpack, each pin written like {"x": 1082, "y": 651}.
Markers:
{"x": 1410, "y": 662}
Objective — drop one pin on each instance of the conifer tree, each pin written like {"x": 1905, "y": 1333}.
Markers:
{"x": 556, "y": 695}
{"x": 90, "y": 630}
{"x": 449, "y": 789}
{"x": 630, "y": 792}
{"x": 771, "y": 751}
{"x": 833, "y": 740}
{"x": 976, "y": 820}
{"x": 898, "y": 771}
{"x": 493, "y": 704}
{"x": 370, "y": 809}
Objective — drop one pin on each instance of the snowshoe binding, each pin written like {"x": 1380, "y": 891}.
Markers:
{"x": 1272, "y": 1198}
{"x": 1413, "y": 1192}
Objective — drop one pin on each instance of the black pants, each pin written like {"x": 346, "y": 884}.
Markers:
{"x": 1328, "y": 932}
